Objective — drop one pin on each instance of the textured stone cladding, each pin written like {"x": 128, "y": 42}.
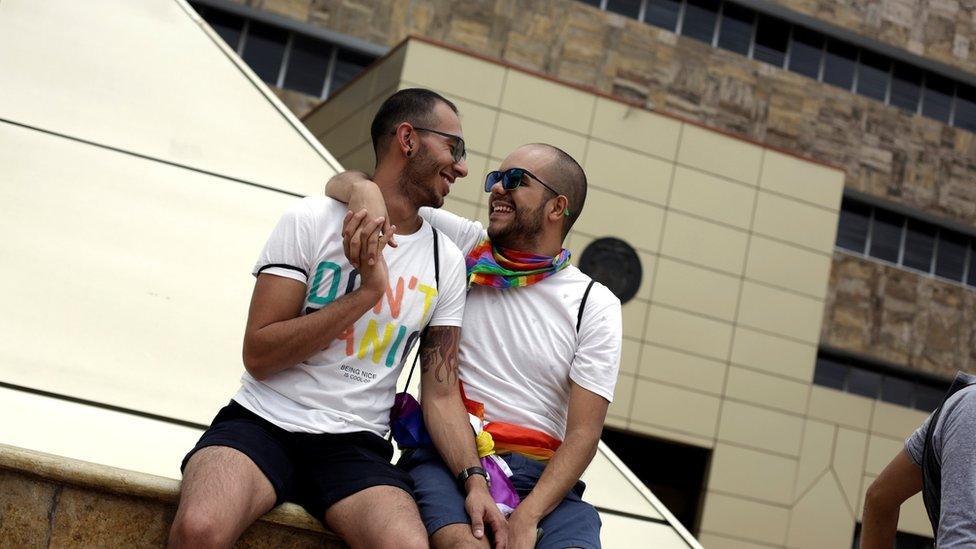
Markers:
{"x": 908, "y": 159}
{"x": 943, "y": 30}
{"x": 898, "y": 316}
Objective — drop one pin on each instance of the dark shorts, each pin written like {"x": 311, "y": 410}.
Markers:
{"x": 573, "y": 523}
{"x": 312, "y": 470}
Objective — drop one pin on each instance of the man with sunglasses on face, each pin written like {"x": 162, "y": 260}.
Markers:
{"x": 323, "y": 346}
{"x": 539, "y": 351}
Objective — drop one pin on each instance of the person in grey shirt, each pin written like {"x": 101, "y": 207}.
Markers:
{"x": 953, "y": 447}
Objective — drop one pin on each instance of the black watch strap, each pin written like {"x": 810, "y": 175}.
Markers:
{"x": 471, "y": 471}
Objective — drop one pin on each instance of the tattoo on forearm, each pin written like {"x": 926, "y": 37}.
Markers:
{"x": 439, "y": 350}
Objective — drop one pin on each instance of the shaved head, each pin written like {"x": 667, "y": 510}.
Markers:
{"x": 567, "y": 176}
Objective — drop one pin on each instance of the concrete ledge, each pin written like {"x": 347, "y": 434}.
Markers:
{"x": 52, "y": 501}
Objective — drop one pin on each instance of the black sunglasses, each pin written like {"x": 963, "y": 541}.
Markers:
{"x": 457, "y": 143}
{"x": 512, "y": 178}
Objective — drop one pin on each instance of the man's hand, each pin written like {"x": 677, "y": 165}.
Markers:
{"x": 366, "y": 252}
{"x": 481, "y": 508}
{"x": 523, "y": 531}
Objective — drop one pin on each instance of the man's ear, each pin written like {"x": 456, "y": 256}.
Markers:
{"x": 406, "y": 138}
{"x": 559, "y": 208}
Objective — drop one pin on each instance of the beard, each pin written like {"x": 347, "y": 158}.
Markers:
{"x": 522, "y": 232}
{"x": 415, "y": 181}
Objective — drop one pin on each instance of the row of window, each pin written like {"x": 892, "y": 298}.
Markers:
{"x": 907, "y": 242}
{"x": 287, "y": 59}
{"x": 860, "y": 378}
{"x": 793, "y": 47}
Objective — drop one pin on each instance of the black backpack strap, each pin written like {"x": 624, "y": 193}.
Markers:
{"x": 931, "y": 468}
{"x": 437, "y": 284}
{"x": 579, "y": 316}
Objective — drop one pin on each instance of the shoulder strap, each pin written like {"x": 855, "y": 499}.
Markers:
{"x": 579, "y": 316}
{"x": 437, "y": 284}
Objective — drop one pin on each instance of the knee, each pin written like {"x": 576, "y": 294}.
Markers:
{"x": 192, "y": 529}
{"x": 413, "y": 540}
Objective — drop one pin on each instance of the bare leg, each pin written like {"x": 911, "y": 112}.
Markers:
{"x": 457, "y": 535}
{"x": 222, "y": 493}
{"x": 378, "y": 517}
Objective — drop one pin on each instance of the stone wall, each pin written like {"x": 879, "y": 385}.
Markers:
{"x": 908, "y": 159}
{"x": 49, "y": 501}
{"x": 944, "y": 30}
{"x": 899, "y": 316}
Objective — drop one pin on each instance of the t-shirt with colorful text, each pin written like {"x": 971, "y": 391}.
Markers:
{"x": 349, "y": 385}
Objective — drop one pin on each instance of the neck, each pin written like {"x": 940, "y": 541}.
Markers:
{"x": 544, "y": 244}
{"x": 400, "y": 210}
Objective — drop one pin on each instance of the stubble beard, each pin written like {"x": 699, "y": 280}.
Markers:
{"x": 415, "y": 181}
{"x": 522, "y": 232}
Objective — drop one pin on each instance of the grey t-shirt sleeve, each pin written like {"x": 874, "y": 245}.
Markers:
{"x": 915, "y": 443}
{"x": 954, "y": 442}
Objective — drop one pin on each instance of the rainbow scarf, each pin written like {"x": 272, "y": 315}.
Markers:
{"x": 502, "y": 268}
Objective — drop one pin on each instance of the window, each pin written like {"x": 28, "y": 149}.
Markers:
{"x": 806, "y": 51}
{"x": 950, "y": 260}
{"x": 965, "y": 115}
{"x": 348, "y": 65}
{"x": 919, "y": 245}
{"x": 839, "y": 64}
{"x": 699, "y": 20}
{"x": 878, "y": 381}
{"x": 971, "y": 276}
{"x": 226, "y": 25}
{"x": 308, "y": 64}
{"x": 772, "y": 37}
{"x": 735, "y": 33}
{"x": 906, "y": 87}
{"x": 663, "y": 13}
{"x": 853, "y": 230}
{"x": 886, "y": 235}
{"x": 873, "y": 71}
{"x": 264, "y": 48}
{"x": 630, "y": 8}
{"x": 937, "y": 97}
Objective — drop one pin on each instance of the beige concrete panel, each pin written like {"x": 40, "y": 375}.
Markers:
{"x": 622, "y": 396}
{"x": 715, "y": 541}
{"x": 720, "y": 154}
{"x": 881, "y": 450}
{"x": 751, "y": 473}
{"x": 461, "y": 207}
{"x": 895, "y": 421}
{"x": 821, "y": 518}
{"x": 796, "y": 222}
{"x": 514, "y": 131}
{"x": 788, "y": 266}
{"x": 648, "y": 268}
{"x": 361, "y": 158}
{"x": 687, "y": 411}
{"x": 607, "y": 214}
{"x": 629, "y": 356}
{"x": 848, "y": 463}
{"x": 607, "y": 487}
{"x": 682, "y": 330}
{"x": 625, "y": 532}
{"x": 636, "y": 128}
{"x": 704, "y": 243}
{"x": 815, "y": 453}
{"x": 838, "y": 407}
{"x": 613, "y": 168}
{"x": 477, "y": 125}
{"x": 712, "y": 197}
{"x": 663, "y": 433}
{"x": 634, "y": 314}
{"x": 695, "y": 289}
{"x": 744, "y": 519}
{"x": 617, "y": 422}
{"x": 682, "y": 369}
{"x": 350, "y": 134}
{"x": 912, "y": 517}
{"x": 761, "y": 428}
{"x": 351, "y": 99}
{"x": 547, "y": 101}
{"x": 772, "y": 391}
{"x": 802, "y": 179}
{"x": 780, "y": 312}
{"x": 388, "y": 74}
{"x": 774, "y": 354}
{"x": 438, "y": 69}
{"x": 472, "y": 187}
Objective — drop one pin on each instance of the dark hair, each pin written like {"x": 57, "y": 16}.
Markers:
{"x": 413, "y": 105}
{"x": 569, "y": 177}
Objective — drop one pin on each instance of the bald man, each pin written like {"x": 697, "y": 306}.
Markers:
{"x": 539, "y": 351}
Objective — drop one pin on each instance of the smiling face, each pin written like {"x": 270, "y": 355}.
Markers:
{"x": 516, "y": 218}
{"x": 430, "y": 171}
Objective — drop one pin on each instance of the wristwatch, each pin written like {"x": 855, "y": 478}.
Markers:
{"x": 471, "y": 471}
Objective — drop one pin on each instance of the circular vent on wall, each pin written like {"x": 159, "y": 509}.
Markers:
{"x": 613, "y": 263}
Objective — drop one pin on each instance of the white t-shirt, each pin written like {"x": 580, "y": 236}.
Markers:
{"x": 349, "y": 385}
{"x": 519, "y": 347}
